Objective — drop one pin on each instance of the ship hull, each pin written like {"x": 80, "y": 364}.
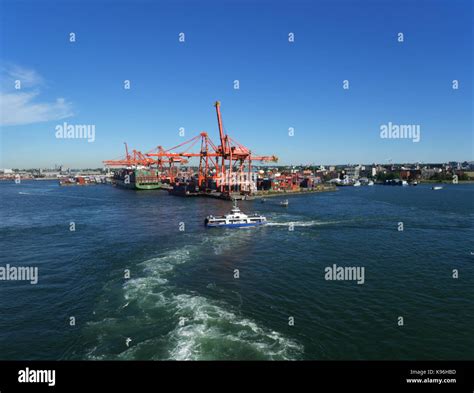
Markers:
{"x": 138, "y": 186}
{"x": 243, "y": 225}
{"x": 138, "y": 180}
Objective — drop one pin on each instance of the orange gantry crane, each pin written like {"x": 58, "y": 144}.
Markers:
{"x": 233, "y": 159}
{"x": 206, "y": 154}
{"x": 128, "y": 161}
{"x": 229, "y": 164}
{"x": 137, "y": 158}
{"x": 166, "y": 167}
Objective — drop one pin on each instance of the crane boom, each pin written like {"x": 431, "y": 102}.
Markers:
{"x": 222, "y": 135}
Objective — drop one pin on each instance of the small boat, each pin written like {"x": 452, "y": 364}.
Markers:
{"x": 415, "y": 183}
{"x": 235, "y": 219}
{"x": 437, "y": 188}
{"x": 370, "y": 183}
{"x": 357, "y": 184}
{"x": 284, "y": 203}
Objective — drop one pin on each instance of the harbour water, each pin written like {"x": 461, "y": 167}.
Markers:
{"x": 182, "y": 300}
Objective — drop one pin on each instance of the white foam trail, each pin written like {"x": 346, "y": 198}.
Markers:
{"x": 211, "y": 330}
{"x": 60, "y": 196}
{"x": 142, "y": 288}
{"x": 303, "y": 223}
{"x": 211, "y": 325}
{"x": 227, "y": 240}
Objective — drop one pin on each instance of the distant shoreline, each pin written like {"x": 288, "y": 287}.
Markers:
{"x": 270, "y": 194}
{"x": 280, "y": 192}
{"x": 445, "y": 181}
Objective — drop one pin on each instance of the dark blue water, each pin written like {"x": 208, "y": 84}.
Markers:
{"x": 183, "y": 302}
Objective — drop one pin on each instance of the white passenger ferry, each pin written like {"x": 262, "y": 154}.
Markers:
{"x": 235, "y": 219}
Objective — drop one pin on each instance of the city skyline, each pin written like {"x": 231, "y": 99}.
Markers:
{"x": 60, "y": 167}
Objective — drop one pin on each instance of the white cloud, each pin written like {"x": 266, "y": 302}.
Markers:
{"x": 27, "y": 77}
{"x": 20, "y": 107}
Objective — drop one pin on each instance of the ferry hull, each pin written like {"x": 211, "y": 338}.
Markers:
{"x": 243, "y": 225}
{"x": 235, "y": 219}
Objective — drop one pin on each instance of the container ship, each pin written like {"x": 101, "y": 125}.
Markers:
{"x": 139, "y": 179}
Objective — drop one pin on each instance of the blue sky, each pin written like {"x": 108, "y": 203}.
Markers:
{"x": 282, "y": 84}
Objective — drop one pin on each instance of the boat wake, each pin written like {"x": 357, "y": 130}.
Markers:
{"x": 53, "y": 194}
{"x": 165, "y": 324}
{"x": 218, "y": 333}
{"x": 303, "y": 223}
{"x": 227, "y": 240}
